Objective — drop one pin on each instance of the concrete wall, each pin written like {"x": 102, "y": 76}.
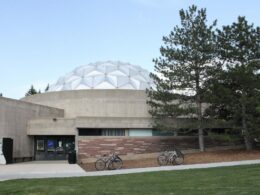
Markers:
{"x": 67, "y": 126}
{"x": 14, "y": 116}
{"x": 113, "y": 122}
{"x": 51, "y": 126}
{"x": 95, "y": 103}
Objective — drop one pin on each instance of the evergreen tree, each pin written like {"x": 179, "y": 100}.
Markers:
{"x": 47, "y": 88}
{"x": 184, "y": 65}
{"x": 235, "y": 92}
{"x": 31, "y": 91}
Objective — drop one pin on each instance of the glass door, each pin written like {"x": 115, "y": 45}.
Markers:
{"x": 53, "y": 147}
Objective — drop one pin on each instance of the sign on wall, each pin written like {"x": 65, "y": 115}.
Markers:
{"x": 40, "y": 145}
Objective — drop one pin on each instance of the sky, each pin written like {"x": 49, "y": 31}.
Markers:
{"x": 41, "y": 40}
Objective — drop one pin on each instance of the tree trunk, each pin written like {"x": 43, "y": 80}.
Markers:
{"x": 200, "y": 130}
{"x": 245, "y": 133}
{"x": 199, "y": 113}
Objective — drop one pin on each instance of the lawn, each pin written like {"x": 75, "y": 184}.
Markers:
{"x": 227, "y": 180}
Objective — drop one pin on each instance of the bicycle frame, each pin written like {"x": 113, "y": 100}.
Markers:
{"x": 109, "y": 159}
{"x": 170, "y": 157}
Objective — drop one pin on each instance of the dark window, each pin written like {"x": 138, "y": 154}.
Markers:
{"x": 113, "y": 132}
{"x": 90, "y": 132}
{"x": 101, "y": 132}
{"x": 162, "y": 133}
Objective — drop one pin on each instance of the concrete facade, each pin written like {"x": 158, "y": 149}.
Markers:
{"x": 51, "y": 126}
{"x": 63, "y": 113}
{"x": 95, "y": 103}
{"x": 50, "y": 116}
{"x": 14, "y": 115}
{"x": 68, "y": 126}
{"x": 94, "y": 109}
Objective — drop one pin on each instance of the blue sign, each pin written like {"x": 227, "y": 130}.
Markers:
{"x": 50, "y": 143}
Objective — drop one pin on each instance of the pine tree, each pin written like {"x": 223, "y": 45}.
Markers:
{"x": 31, "y": 91}
{"x": 235, "y": 92}
{"x": 47, "y": 88}
{"x": 184, "y": 65}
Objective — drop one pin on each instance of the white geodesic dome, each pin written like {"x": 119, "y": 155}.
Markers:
{"x": 105, "y": 75}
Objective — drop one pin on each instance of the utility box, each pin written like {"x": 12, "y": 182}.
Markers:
{"x": 7, "y": 148}
{"x": 72, "y": 159}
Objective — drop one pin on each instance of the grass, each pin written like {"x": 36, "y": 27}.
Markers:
{"x": 226, "y": 180}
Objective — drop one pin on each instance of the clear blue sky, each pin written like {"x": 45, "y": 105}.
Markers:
{"x": 41, "y": 40}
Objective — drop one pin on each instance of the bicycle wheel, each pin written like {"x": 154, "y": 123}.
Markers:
{"x": 162, "y": 160}
{"x": 100, "y": 165}
{"x": 179, "y": 158}
{"x": 117, "y": 163}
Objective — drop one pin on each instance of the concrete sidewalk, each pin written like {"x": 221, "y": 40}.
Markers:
{"x": 40, "y": 169}
{"x": 62, "y": 169}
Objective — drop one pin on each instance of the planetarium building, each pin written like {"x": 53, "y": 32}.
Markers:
{"x": 96, "y": 109}
{"x": 103, "y": 99}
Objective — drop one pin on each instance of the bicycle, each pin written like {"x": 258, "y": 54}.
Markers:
{"x": 170, "y": 157}
{"x": 111, "y": 162}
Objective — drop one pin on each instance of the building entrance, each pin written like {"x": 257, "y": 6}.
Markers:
{"x": 53, "y": 147}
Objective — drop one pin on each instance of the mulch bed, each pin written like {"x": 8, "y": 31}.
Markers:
{"x": 194, "y": 158}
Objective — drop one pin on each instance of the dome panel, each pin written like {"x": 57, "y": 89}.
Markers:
{"x": 94, "y": 73}
{"x": 98, "y": 80}
{"x": 81, "y": 86}
{"x": 73, "y": 78}
{"x": 105, "y": 75}
{"x": 88, "y": 81}
{"x": 105, "y": 85}
{"x": 75, "y": 83}
{"x": 117, "y": 73}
